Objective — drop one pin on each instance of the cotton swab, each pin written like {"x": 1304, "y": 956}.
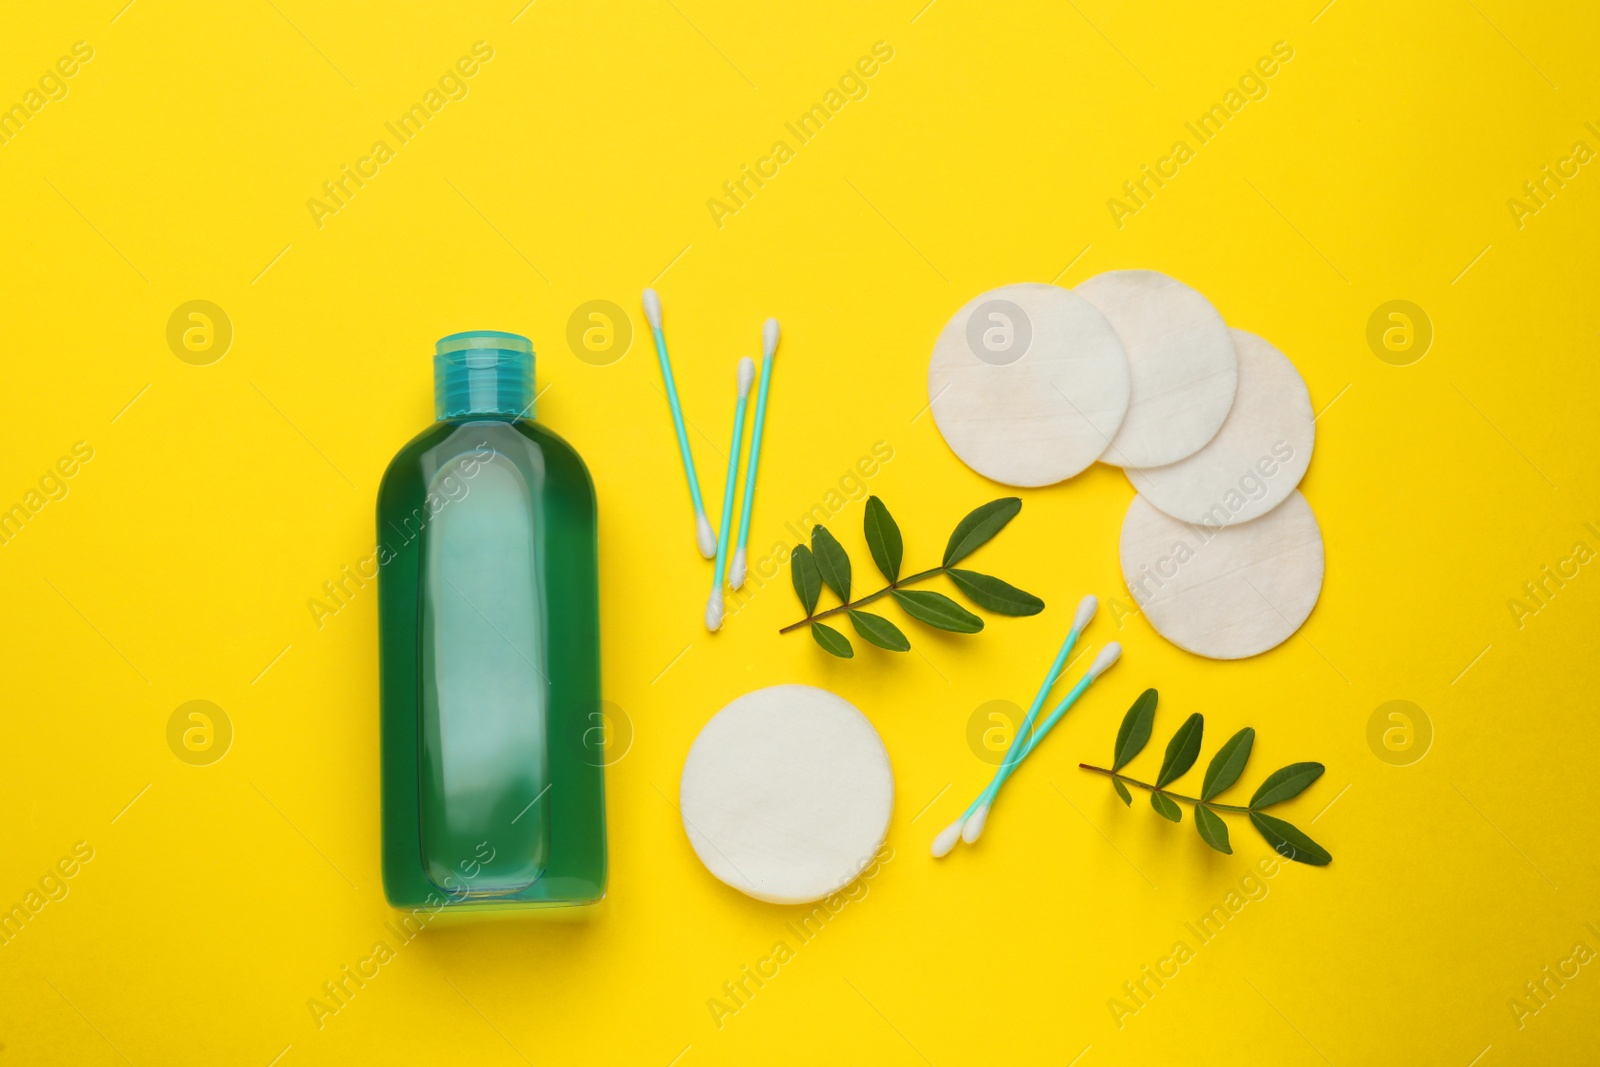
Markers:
{"x": 980, "y": 815}
{"x": 1080, "y": 620}
{"x": 769, "y": 344}
{"x": 704, "y": 537}
{"x": 1102, "y": 663}
{"x": 747, "y": 374}
{"x": 1025, "y": 740}
{"x": 1085, "y": 614}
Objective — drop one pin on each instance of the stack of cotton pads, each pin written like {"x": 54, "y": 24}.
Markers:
{"x": 1030, "y": 384}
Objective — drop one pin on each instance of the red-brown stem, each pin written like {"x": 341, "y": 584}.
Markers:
{"x": 885, "y": 591}
{"x": 1164, "y": 792}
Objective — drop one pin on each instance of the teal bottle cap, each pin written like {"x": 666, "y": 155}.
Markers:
{"x": 483, "y": 372}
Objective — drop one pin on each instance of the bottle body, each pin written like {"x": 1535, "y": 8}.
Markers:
{"x": 492, "y": 775}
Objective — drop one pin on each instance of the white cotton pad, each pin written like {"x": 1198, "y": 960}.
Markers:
{"x": 1227, "y": 592}
{"x": 1181, "y": 358}
{"x": 1258, "y": 457}
{"x": 1028, "y": 383}
{"x": 786, "y": 794}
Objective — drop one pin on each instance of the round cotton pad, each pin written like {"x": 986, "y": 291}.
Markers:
{"x": 786, "y": 794}
{"x": 1258, "y": 457}
{"x": 1182, "y": 362}
{"x": 1225, "y": 593}
{"x": 1028, "y": 383}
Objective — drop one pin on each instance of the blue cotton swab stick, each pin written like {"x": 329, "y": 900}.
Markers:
{"x": 769, "y": 343}
{"x": 1080, "y": 620}
{"x": 703, "y": 535}
{"x": 747, "y": 374}
{"x": 980, "y": 814}
{"x": 1027, "y": 737}
{"x": 1086, "y": 609}
{"x": 1102, "y": 663}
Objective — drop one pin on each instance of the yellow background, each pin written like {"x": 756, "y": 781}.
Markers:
{"x": 180, "y": 563}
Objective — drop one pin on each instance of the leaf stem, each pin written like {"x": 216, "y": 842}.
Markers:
{"x": 880, "y": 594}
{"x": 1164, "y": 792}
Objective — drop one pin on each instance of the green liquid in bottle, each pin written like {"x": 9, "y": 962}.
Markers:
{"x": 493, "y": 791}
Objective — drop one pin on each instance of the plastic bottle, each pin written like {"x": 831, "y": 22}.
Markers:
{"x": 492, "y": 727}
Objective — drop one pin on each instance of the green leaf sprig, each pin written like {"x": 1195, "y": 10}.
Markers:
{"x": 826, "y": 563}
{"x": 1223, "y": 771}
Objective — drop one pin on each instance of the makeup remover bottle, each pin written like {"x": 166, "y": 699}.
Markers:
{"x": 489, "y": 649}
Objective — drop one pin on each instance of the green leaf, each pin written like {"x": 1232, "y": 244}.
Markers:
{"x": 1285, "y": 783}
{"x": 1166, "y": 806}
{"x": 1135, "y": 730}
{"x": 999, "y": 597}
{"x": 1182, "y": 750}
{"x": 1228, "y": 764}
{"x": 1213, "y": 831}
{"x": 880, "y": 631}
{"x": 807, "y": 582}
{"x": 883, "y": 538}
{"x": 832, "y": 563}
{"x": 1122, "y": 791}
{"x": 980, "y": 525}
{"x": 832, "y": 640}
{"x": 937, "y": 610}
{"x": 1289, "y": 842}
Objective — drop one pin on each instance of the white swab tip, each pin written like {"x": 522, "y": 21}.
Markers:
{"x": 1086, "y": 609}
{"x": 769, "y": 338}
{"x": 705, "y": 536}
{"x": 736, "y": 569}
{"x": 714, "y": 611}
{"x": 947, "y": 839}
{"x": 975, "y": 824}
{"x": 747, "y": 375}
{"x": 652, "y": 308}
{"x": 1105, "y": 659}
